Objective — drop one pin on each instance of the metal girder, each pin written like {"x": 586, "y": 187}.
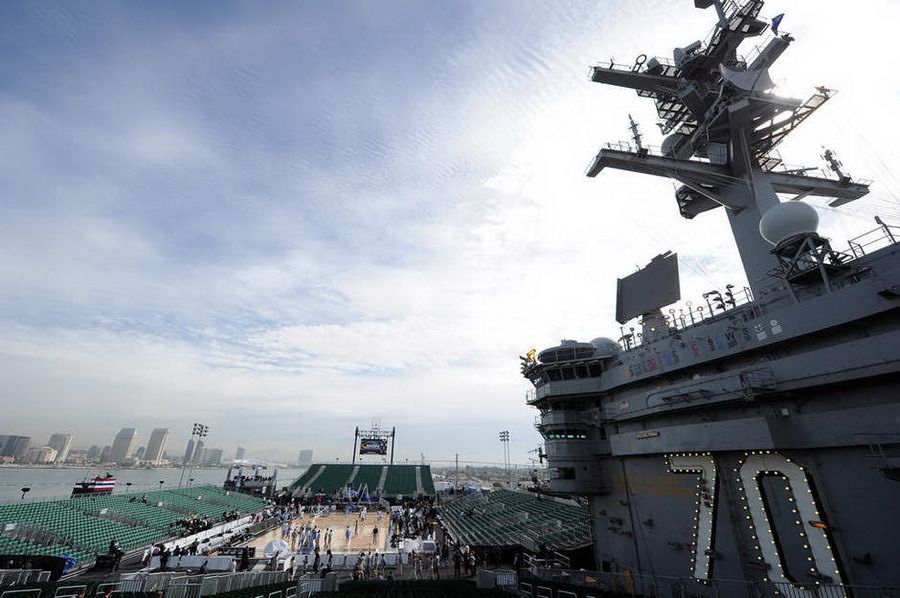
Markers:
{"x": 820, "y": 186}
{"x": 713, "y": 175}
{"x": 636, "y": 80}
{"x": 696, "y": 171}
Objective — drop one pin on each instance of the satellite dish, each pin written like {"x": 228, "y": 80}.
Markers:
{"x": 605, "y": 347}
{"x": 786, "y": 220}
{"x": 671, "y": 142}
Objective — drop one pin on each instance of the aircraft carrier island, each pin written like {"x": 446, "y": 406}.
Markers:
{"x": 745, "y": 444}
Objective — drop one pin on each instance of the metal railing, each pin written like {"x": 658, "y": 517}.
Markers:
{"x": 874, "y": 239}
{"x": 20, "y": 577}
{"x": 657, "y": 586}
{"x": 686, "y": 315}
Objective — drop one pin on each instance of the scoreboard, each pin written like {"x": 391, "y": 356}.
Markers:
{"x": 373, "y": 446}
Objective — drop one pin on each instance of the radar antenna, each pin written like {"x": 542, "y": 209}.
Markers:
{"x": 636, "y": 136}
{"x": 835, "y": 165}
{"x": 724, "y": 124}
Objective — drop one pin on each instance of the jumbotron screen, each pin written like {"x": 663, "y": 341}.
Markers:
{"x": 373, "y": 446}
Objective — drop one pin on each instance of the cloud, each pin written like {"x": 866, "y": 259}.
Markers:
{"x": 289, "y": 222}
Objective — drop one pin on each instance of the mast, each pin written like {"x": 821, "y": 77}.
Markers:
{"x": 722, "y": 125}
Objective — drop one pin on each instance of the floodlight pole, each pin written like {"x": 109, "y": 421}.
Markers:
{"x": 393, "y": 436}
{"x": 200, "y": 431}
{"x": 355, "y": 438}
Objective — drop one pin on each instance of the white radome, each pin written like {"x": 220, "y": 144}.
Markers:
{"x": 605, "y": 347}
{"x": 787, "y": 220}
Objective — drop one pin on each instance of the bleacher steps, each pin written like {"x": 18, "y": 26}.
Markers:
{"x": 380, "y": 488}
{"x": 352, "y": 476}
{"x": 310, "y": 481}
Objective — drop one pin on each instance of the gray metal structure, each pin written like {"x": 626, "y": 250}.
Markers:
{"x": 754, "y": 437}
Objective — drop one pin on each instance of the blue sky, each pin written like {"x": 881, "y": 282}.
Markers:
{"x": 287, "y": 219}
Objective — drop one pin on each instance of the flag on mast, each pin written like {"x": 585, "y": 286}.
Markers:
{"x": 776, "y": 22}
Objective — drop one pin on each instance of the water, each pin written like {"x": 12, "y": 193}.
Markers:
{"x": 50, "y": 483}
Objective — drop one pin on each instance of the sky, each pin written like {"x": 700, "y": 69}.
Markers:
{"x": 289, "y": 219}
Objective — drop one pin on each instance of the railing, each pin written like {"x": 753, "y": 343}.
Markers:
{"x": 655, "y": 586}
{"x": 880, "y": 237}
{"x": 682, "y": 317}
{"x": 207, "y": 585}
{"x": 19, "y": 577}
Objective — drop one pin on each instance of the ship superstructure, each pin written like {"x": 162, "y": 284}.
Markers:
{"x": 754, "y": 436}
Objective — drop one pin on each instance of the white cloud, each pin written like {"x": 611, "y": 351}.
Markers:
{"x": 289, "y": 242}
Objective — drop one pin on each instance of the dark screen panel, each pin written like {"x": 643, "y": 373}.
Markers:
{"x": 648, "y": 289}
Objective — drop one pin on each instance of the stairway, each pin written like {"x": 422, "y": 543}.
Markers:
{"x": 420, "y": 489}
{"x": 309, "y": 482}
{"x": 352, "y": 477}
{"x": 380, "y": 488}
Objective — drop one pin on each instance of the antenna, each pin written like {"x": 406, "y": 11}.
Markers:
{"x": 834, "y": 164}
{"x": 720, "y": 10}
{"x": 636, "y": 136}
{"x": 722, "y": 153}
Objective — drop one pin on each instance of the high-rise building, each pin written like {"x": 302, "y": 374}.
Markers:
{"x": 93, "y": 454}
{"x": 212, "y": 456}
{"x": 239, "y": 453}
{"x": 305, "y": 458}
{"x": 189, "y": 452}
{"x": 39, "y": 455}
{"x": 62, "y": 442}
{"x": 104, "y": 454}
{"x": 121, "y": 446}
{"x": 138, "y": 454}
{"x": 198, "y": 452}
{"x": 14, "y": 446}
{"x": 156, "y": 446}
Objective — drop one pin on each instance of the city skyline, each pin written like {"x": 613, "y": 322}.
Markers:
{"x": 319, "y": 214}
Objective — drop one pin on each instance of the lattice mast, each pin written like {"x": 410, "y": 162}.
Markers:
{"x": 722, "y": 124}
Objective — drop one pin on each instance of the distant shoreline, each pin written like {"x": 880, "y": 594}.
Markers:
{"x": 98, "y": 467}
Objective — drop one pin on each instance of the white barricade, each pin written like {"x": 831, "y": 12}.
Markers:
{"x": 217, "y": 530}
{"x": 213, "y": 563}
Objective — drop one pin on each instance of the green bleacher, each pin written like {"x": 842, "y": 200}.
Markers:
{"x": 16, "y": 546}
{"x": 332, "y": 480}
{"x": 367, "y": 476}
{"x": 427, "y": 481}
{"x": 507, "y": 518}
{"x": 400, "y": 479}
{"x": 84, "y": 526}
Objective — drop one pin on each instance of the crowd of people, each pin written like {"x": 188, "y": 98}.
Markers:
{"x": 165, "y": 554}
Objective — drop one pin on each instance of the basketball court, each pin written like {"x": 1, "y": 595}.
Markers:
{"x": 360, "y": 535}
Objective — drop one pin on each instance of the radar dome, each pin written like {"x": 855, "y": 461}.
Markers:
{"x": 787, "y": 220}
{"x": 670, "y": 143}
{"x": 605, "y": 347}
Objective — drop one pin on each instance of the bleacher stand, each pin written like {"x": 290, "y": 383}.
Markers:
{"x": 508, "y": 518}
{"x": 82, "y": 527}
{"x": 333, "y": 480}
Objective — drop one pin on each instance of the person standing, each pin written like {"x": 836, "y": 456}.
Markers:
{"x": 457, "y": 564}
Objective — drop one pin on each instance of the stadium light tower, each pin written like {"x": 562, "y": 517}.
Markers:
{"x": 198, "y": 431}
{"x": 504, "y": 439}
